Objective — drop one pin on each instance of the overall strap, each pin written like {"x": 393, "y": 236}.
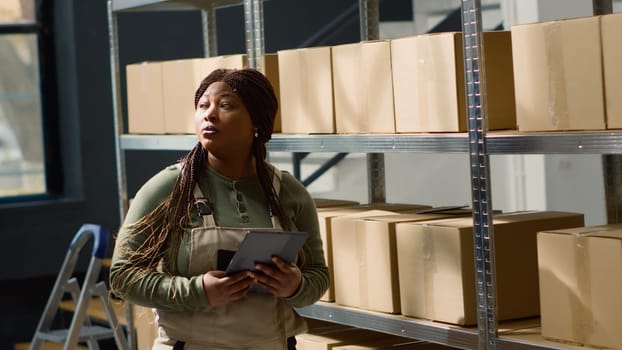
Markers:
{"x": 204, "y": 207}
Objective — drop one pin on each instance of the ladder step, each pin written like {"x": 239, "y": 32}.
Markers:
{"x": 86, "y": 333}
{"x": 96, "y": 309}
{"x": 45, "y": 346}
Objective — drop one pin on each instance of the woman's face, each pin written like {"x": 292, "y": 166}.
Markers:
{"x": 222, "y": 123}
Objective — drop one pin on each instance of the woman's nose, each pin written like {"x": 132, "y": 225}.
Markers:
{"x": 210, "y": 115}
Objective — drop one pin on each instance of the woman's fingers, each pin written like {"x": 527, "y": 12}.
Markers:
{"x": 221, "y": 290}
{"x": 282, "y": 279}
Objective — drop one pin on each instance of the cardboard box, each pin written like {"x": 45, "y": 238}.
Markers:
{"x": 181, "y": 78}
{"x": 365, "y": 267}
{"x": 558, "y": 75}
{"x": 145, "y": 98}
{"x": 325, "y": 217}
{"x": 580, "y": 273}
{"x": 363, "y": 88}
{"x": 306, "y": 86}
{"x": 328, "y": 203}
{"x": 270, "y": 68}
{"x": 429, "y": 86}
{"x": 437, "y": 272}
{"x": 611, "y": 27}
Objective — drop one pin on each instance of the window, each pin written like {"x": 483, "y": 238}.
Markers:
{"x": 23, "y": 150}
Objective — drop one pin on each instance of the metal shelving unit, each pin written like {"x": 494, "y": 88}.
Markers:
{"x": 597, "y": 142}
{"x": 477, "y": 143}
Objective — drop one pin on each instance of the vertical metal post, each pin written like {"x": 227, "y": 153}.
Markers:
{"x": 369, "y": 18}
{"x": 612, "y": 163}
{"x": 483, "y": 236}
{"x": 602, "y": 7}
{"x": 119, "y": 155}
{"x": 253, "y": 15}
{"x": 612, "y": 173}
{"x": 118, "y": 115}
{"x": 375, "y": 176}
{"x": 208, "y": 21}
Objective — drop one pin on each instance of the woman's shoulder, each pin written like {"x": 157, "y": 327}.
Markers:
{"x": 292, "y": 188}
{"x": 165, "y": 177}
{"x": 289, "y": 181}
{"x": 160, "y": 184}
{"x": 153, "y": 192}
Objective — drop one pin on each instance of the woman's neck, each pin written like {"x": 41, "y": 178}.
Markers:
{"x": 235, "y": 169}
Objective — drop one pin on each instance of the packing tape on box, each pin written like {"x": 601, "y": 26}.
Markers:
{"x": 582, "y": 317}
{"x": 427, "y": 67}
{"x": 429, "y": 269}
{"x": 558, "y": 100}
{"x": 362, "y": 271}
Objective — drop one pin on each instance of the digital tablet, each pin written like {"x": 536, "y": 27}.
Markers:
{"x": 261, "y": 246}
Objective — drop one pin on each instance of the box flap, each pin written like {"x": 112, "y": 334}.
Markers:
{"x": 602, "y": 231}
{"x": 532, "y": 215}
{"x": 327, "y": 202}
{"x": 404, "y": 217}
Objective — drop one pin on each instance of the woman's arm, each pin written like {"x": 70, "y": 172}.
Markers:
{"x": 300, "y": 208}
{"x": 154, "y": 288}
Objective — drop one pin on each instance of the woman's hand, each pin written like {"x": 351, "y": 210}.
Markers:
{"x": 221, "y": 290}
{"x": 282, "y": 280}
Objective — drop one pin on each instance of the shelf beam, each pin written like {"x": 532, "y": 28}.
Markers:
{"x": 455, "y": 336}
{"x": 168, "y": 5}
{"x": 604, "y": 142}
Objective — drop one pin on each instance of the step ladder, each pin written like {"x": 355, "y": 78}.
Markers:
{"x": 81, "y": 330}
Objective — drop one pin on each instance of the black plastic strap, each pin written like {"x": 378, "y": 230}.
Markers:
{"x": 203, "y": 206}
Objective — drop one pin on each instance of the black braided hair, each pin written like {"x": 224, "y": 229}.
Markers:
{"x": 258, "y": 95}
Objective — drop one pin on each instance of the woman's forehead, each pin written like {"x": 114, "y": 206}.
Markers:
{"x": 218, "y": 88}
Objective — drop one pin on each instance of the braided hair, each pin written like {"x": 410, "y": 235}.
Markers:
{"x": 163, "y": 227}
{"x": 257, "y": 94}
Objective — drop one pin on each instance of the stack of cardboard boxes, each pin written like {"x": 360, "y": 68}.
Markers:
{"x": 161, "y": 94}
{"x": 548, "y": 76}
{"x": 423, "y": 265}
{"x": 407, "y": 85}
{"x": 580, "y": 273}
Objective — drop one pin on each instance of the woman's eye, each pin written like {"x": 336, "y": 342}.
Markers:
{"x": 225, "y": 105}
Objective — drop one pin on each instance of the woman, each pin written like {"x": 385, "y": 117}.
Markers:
{"x": 166, "y": 252}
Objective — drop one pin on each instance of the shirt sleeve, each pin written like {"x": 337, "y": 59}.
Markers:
{"x": 300, "y": 208}
{"x": 155, "y": 288}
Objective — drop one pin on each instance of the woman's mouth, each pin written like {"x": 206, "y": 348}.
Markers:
{"x": 208, "y": 130}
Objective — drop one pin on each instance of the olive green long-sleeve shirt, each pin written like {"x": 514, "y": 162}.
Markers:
{"x": 238, "y": 203}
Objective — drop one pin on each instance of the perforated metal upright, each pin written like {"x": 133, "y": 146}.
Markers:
{"x": 483, "y": 233}
{"x": 369, "y": 13}
{"x": 253, "y": 17}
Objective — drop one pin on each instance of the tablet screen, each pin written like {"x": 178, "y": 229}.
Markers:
{"x": 261, "y": 246}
